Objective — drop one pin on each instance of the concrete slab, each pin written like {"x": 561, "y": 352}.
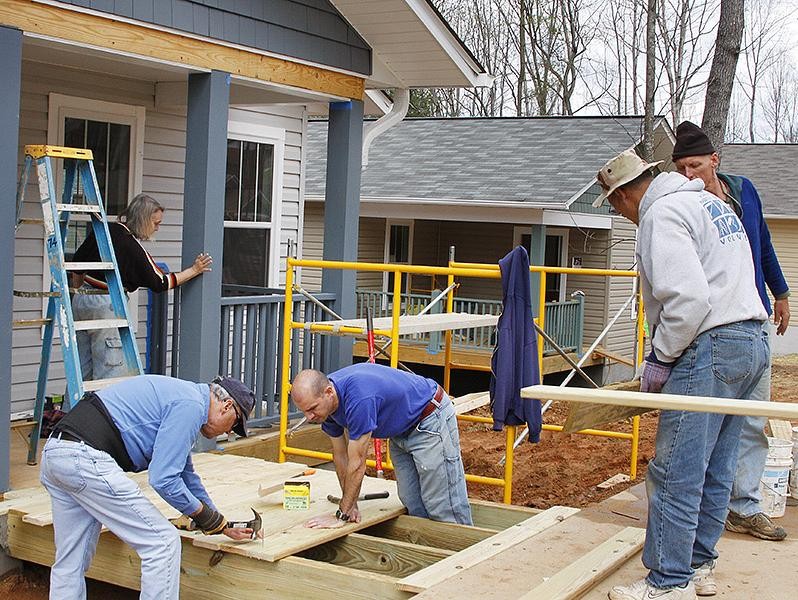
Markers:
{"x": 748, "y": 568}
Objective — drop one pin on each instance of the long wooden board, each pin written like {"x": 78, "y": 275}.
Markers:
{"x": 585, "y": 572}
{"x": 664, "y": 401}
{"x": 413, "y": 323}
{"x": 487, "y": 548}
{"x": 592, "y": 416}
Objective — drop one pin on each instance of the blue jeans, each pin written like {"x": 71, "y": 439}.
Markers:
{"x": 429, "y": 469}
{"x": 89, "y": 490}
{"x": 690, "y": 478}
{"x": 753, "y": 452}
{"x": 100, "y": 350}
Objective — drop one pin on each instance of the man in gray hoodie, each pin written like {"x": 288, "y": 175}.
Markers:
{"x": 707, "y": 339}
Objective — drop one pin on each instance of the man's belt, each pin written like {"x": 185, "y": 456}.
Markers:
{"x": 432, "y": 404}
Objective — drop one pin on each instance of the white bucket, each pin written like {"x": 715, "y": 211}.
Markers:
{"x": 775, "y": 479}
{"x": 794, "y": 471}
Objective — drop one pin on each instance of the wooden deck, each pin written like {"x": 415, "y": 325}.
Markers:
{"x": 511, "y": 552}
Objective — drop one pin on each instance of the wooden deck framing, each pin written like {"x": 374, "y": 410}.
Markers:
{"x": 389, "y": 555}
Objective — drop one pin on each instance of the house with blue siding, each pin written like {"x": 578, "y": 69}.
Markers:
{"x": 202, "y": 104}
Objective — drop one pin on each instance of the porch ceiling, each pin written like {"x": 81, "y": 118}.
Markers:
{"x": 412, "y": 45}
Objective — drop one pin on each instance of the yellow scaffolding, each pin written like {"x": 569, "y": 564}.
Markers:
{"x": 452, "y": 271}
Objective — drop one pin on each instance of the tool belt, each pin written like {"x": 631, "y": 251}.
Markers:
{"x": 90, "y": 423}
{"x": 433, "y": 404}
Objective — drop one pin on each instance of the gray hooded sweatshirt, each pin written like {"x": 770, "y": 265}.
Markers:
{"x": 695, "y": 264}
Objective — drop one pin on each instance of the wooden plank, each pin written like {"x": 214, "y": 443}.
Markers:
{"x": 232, "y": 578}
{"x": 139, "y": 40}
{"x": 409, "y": 324}
{"x": 664, "y": 401}
{"x": 781, "y": 429}
{"x": 376, "y": 555}
{"x": 497, "y": 516}
{"x": 267, "y": 445}
{"x": 588, "y": 570}
{"x": 469, "y": 402}
{"x": 592, "y": 416}
{"x": 415, "y": 530}
{"x": 485, "y": 549}
{"x": 604, "y": 353}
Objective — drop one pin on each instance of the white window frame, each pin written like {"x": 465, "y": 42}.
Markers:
{"x": 61, "y": 107}
{"x": 562, "y": 232}
{"x": 387, "y": 249}
{"x": 273, "y": 136}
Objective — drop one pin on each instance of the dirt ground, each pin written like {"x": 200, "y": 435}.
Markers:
{"x": 565, "y": 469}
{"x": 562, "y": 469}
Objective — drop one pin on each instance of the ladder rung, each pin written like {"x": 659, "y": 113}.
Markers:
{"x": 27, "y": 221}
{"x": 24, "y": 294}
{"x": 89, "y": 266}
{"x": 98, "y": 384}
{"x": 79, "y": 208}
{"x": 30, "y": 322}
{"x": 100, "y": 324}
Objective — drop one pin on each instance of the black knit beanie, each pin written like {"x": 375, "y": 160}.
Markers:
{"x": 691, "y": 141}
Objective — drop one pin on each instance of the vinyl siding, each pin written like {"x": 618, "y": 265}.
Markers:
{"x": 784, "y": 235}
{"x": 370, "y": 247}
{"x": 162, "y": 177}
{"x": 592, "y": 246}
{"x": 620, "y": 339}
{"x": 311, "y": 30}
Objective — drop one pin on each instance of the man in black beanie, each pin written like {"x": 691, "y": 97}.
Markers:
{"x": 696, "y": 158}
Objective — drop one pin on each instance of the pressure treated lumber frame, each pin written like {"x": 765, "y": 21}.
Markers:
{"x": 708, "y": 404}
{"x": 122, "y": 37}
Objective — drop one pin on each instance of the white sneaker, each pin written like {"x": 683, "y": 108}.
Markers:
{"x": 704, "y": 580}
{"x": 642, "y": 590}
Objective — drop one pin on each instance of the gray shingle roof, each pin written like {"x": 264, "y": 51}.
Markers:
{"x": 773, "y": 168}
{"x": 541, "y": 160}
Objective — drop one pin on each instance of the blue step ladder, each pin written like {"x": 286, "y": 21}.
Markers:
{"x": 78, "y": 166}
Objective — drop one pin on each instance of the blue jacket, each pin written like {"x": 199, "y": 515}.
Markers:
{"x": 766, "y": 264}
{"x": 514, "y": 363}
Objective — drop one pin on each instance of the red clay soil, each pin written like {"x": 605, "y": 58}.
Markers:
{"x": 564, "y": 469}
{"x": 561, "y": 469}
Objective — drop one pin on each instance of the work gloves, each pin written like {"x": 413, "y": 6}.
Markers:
{"x": 655, "y": 374}
{"x": 210, "y": 521}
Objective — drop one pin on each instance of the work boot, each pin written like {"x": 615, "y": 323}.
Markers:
{"x": 642, "y": 590}
{"x": 758, "y": 525}
{"x": 704, "y": 580}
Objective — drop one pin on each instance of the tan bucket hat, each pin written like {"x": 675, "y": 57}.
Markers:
{"x": 619, "y": 171}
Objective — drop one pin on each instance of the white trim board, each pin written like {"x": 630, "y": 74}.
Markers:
{"x": 708, "y": 404}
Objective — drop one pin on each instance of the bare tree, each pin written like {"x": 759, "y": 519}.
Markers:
{"x": 762, "y": 49}
{"x": 721, "y": 75}
{"x": 651, "y": 48}
{"x": 683, "y": 29}
{"x": 780, "y": 105}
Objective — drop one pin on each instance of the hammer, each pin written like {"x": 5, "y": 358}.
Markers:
{"x": 374, "y": 496}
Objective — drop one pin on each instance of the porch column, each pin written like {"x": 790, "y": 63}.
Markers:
{"x": 341, "y": 214}
{"x": 537, "y": 256}
{"x": 203, "y": 222}
{"x": 11, "y": 68}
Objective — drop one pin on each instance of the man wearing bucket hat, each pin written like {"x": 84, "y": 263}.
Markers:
{"x": 695, "y": 158}
{"x": 146, "y": 422}
{"x": 707, "y": 340}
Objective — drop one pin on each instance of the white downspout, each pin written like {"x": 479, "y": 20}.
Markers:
{"x": 401, "y": 102}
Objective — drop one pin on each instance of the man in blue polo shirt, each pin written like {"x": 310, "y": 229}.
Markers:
{"x": 368, "y": 400}
{"x": 144, "y": 422}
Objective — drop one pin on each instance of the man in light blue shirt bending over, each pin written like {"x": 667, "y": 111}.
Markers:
{"x": 147, "y": 422}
